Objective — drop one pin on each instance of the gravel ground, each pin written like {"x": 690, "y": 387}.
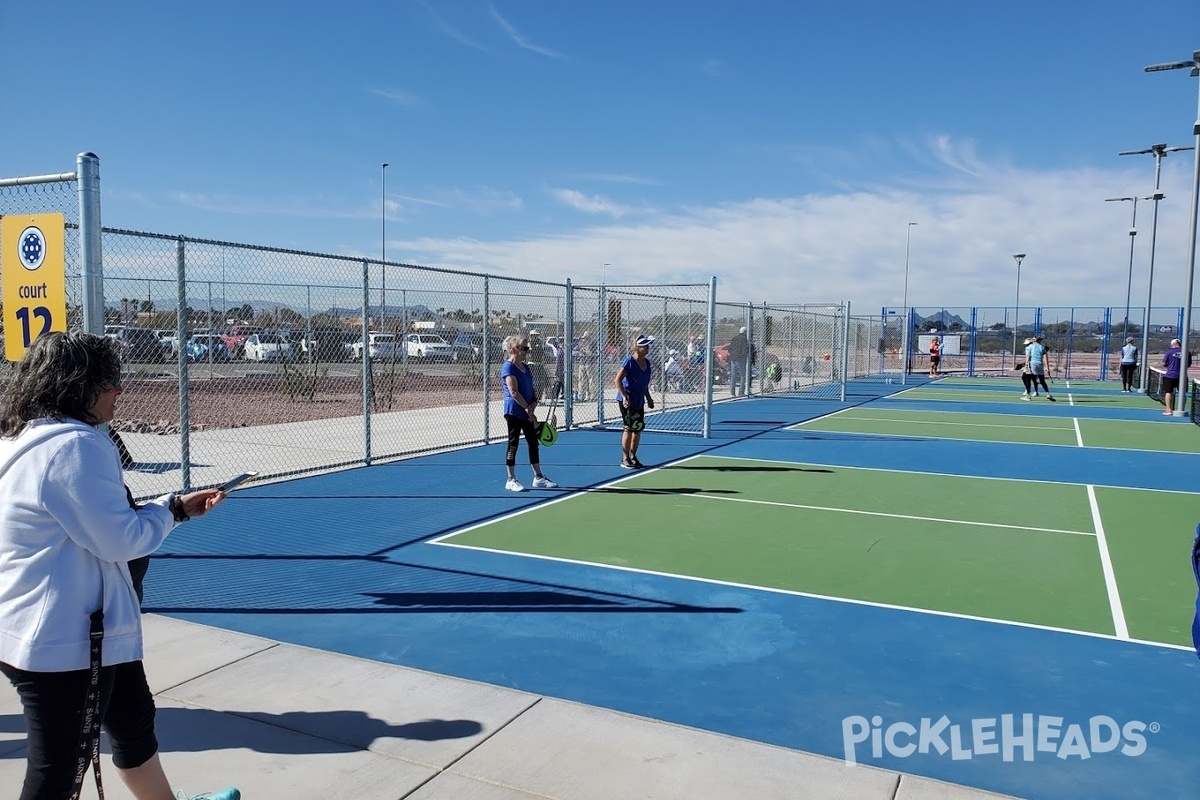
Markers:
{"x": 153, "y": 406}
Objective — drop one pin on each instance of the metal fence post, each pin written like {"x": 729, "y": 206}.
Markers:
{"x": 709, "y": 356}
{"x": 567, "y": 378}
{"x": 366, "y": 362}
{"x": 91, "y": 254}
{"x": 485, "y": 358}
{"x": 185, "y": 428}
{"x": 845, "y": 355}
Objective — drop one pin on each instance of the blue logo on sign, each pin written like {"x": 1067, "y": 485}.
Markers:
{"x": 32, "y": 247}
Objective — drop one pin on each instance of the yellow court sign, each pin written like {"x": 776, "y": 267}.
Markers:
{"x": 33, "y": 265}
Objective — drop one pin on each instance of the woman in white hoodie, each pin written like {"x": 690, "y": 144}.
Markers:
{"x": 70, "y": 623}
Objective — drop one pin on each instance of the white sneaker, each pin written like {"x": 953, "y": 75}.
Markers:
{"x": 514, "y": 485}
{"x": 1024, "y": 397}
{"x": 542, "y": 482}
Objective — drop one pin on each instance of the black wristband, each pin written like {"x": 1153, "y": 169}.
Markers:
{"x": 177, "y": 509}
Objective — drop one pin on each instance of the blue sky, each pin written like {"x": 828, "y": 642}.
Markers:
{"x": 781, "y": 146}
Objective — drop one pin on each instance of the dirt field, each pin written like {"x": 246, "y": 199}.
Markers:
{"x": 153, "y": 406}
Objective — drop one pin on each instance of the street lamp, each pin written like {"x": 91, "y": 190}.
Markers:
{"x": 383, "y": 248}
{"x": 1018, "y": 257}
{"x": 1132, "y": 235}
{"x": 904, "y": 303}
{"x": 1181, "y": 395}
{"x": 1159, "y": 151}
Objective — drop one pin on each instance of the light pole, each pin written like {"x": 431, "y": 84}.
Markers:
{"x": 1132, "y": 238}
{"x": 1018, "y": 257}
{"x": 383, "y": 248}
{"x": 1159, "y": 151}
{"x": 904, "y": 302}
{"x": 1181, "y": 395}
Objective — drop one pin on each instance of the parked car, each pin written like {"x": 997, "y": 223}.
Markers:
{"x": 170, "y": 340}
{"x": 139, "y": 344}
{"x": 328, "y": 344}
{"x": 427, "y": 346}
{"x": 266, "y": 347}
{"x": 381, "y": 346}
{"x": 469, "y": 347}
{"x": 236, "y": 337}
{"x": 201, "y": 345}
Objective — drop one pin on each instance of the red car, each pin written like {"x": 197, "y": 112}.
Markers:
{"x": 235, "y": 338}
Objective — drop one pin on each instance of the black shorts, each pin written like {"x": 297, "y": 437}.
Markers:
{"x": 935, "y": 359}
{"x": 634, "y": 419}
{"x": 1169, "y": 385}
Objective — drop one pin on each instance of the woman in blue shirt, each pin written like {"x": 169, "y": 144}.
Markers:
{"x": 520, "y": 402}
{"x": 633, "y": 393}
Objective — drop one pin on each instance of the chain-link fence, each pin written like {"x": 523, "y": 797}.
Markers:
{"x": 229, "y": 358}
{"x": 606, "y": 320}
{"x": 1083, "y": 343}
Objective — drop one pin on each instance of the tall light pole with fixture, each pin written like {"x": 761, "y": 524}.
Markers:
{"x": 904, "y": 343}
{"x": 382, "y": 250}
{"x": 1159, "y": 151}
{"x": 1181, "y": 395}
{"x": 1132, "y": 238}
{"x": 1018, "y": 257}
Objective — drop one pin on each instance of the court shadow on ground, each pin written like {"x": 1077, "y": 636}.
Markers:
{"x": 658, "y": 490}
{"x": 529, "y": 601}
{"x": 744, "y": 468}
{"x": 197, "y": 730}
{"x": 525, "y": 595}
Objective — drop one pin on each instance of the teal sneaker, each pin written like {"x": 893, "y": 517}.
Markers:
{"x": 224, "y": 794}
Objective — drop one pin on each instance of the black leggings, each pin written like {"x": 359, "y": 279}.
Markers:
{"x": 54, "y": 706}
{"x": 516, "y": 428}
{"x": 1035, "y": 379}
{"x": 1127, "y": 371}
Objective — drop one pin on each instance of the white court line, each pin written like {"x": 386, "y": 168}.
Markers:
{"x": 1110, "y": 577}
{"x": 812, "y": 595}
{"x": 1078, "y": 432}
{"x": 703, "y": 496}
{"x": 963, "y": 424}
{"x": 441, "y": 542}
{"x": 800, "y": 427}
{"x": 935, "y": 474}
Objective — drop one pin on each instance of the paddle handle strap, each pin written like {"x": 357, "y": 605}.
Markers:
{"x": 89, "y": 734}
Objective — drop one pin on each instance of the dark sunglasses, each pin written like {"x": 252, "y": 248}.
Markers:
{"x": 523, "y": 348}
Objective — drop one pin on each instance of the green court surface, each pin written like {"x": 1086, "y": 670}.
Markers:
{"x": 1150, "y": 435}
{"x": 1148, "y": 538}
{"x": 1009, "y": 550}
{"x": 1010, "y": 392}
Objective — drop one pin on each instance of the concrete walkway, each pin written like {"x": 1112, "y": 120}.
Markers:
{"x": 287, "y": 723}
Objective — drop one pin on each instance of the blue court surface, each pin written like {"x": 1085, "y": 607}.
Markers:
{"x": 364, "y": 562}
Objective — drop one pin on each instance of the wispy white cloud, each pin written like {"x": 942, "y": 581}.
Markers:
{"x": 713, "y": 68}
{"x": 519, "y": 38}
{"x": 610, "y": 177}
{"x": 850, "y": 244}
{"x": 485, "y": 200}
{"x": 400, "y": 97}
{"x": 302, "y": 207}
{"x": 451, "y": 32}
{"x": 593, "y": 204}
